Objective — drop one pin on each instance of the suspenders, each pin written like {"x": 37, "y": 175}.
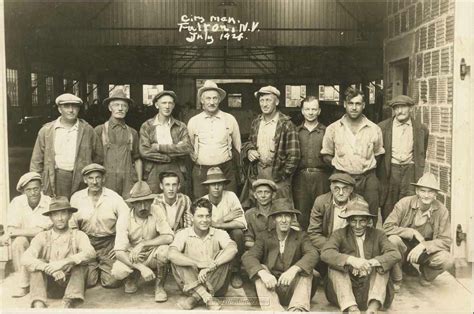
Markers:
{"x": 105, "y": 136}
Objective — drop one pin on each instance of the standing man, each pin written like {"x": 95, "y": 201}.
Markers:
{"x": 63, "y": 147}
{"x": 405, "y": 141}
{"x": 281, "y": 262}
{"x": 273, "y": 149}
{"x": 311, "y": 177}
{"x": 164, "y": 143}
{"x": 25, "y": 220}
{"x": 120, "y": 141}
{"x": 100, "y": 212}
{"x": 216, "y": 138}
{"x": 352, "y": 144}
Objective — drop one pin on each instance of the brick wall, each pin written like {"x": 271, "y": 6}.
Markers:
{"x": 431, "y": 74}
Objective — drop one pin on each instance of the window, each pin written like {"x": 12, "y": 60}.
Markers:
{"x": 49, "y": 90}
{"x": 92, "y": 92}
{"x": 329, "y": 93}
{"x": 294, "y": 94}
{"x": 398, "y": 74}
{"x": 150, "y": 91}
{"x": 125, "y": 87}
{"x": 34, "y": 89}
{"x": 76, "y": 88}
{"x": 12, "y": 87}
{"x": 235, "y": 100}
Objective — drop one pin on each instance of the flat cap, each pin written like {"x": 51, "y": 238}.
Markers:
{"x": 164, "y": 93}
{"x": 266, "y": 182}
{"x": 68, "y": 99}
{"x": 27, "y": 178}
{"x": 92, "y": 167}
{"x": 267, "y": 90}
{"x": 342, "y": 177}
{"x": 402, "y": 100}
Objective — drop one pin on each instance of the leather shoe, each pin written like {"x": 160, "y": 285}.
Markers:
{"x": 187, "y": 303}
{"x": 38, "y": 304}
{"x": 236, "y": 281}
{"x": 213, "y": 304}
{"x": 20, "y": 292}
{"x": 131, "y": 285}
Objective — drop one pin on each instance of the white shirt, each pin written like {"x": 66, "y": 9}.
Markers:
{"x": 163, "y": 132}
{"x": 228, "y": 203}
{"x": 20, "y": 214}
{"x": 265, "y": 139}
{"x": 171, "y": 211}
{"x": 338, "y": 222}
{"x": 402, "y": 142}
{"x": 65, "y": 141}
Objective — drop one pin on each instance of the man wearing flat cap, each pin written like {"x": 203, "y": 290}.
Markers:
{"x": 141, "y": 246}
{"x": 164, "y": 143}
{"x": 120, "y": 141}
{"x": 216, "y": 138}
{"x": 56, "y": 258}
{"x": 420, "y": 228}
{"x": 360, "y": 258}
{"x": 281, "y": 263}
{"x": 24, "y": 221}
{"x": 101, "y": 212}
{"x": 63, "y": 147}
{"x": 273, "y": 149}
{"x": 405, "y": 141}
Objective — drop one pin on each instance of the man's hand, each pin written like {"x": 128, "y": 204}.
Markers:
{"x": 5, "y": 240}
{"x": 202, "y": 276}
{"x": 414, "y": 254}
{"x": 53, "y": 267}
{"x": 155, "y": 147}
{"x": 233, "y": 214}
{"x": 287, "y": 277}
{"x": 59, "y": 276}
{"x": 253, "y": 155}
{"x": 146, "y": 273}
{"x": 361, "y": 264}
{"x": 135, "y": 252}
{"x": 249, "y": 244}
{"x": 417, "y": 235}
{"x": 374, "y": 263}
{"x": 268, "y": 279}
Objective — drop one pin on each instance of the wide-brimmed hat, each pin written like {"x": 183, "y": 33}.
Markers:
{"x": 164, "y": 93}
{"x": 118, "y": 94}
{"x": 68, "y": 98}
{"x": 342, "y": 177}
{"x": 272, "y": 185}
{"x": 356, "y": 207}
{"x": 267, "y": 90}
{"x": 428, "y": 180}
{"x": 215, "y": 175}
{"x": 401, "y": 100}
{"x": 140, "y": 192}
{"x": 92, "y": 167}
{"x": 211, "y": 85}
{"x": 27, "y": 178}
{"x": 59, "y": 203}
{"x": 283, "y": 206}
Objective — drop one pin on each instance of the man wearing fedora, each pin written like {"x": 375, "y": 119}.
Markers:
{"x": 227, "y": 214}
{"x": 200, "y": 257}
{"x": 359, "y": 258}
{"x": 164, "y": 143}
{"x": 281, "y": 263}
{"x": 273, "y": 149}
{"x": 141, "y": 246}
{"x": 120, "y": 141}
{"x": 419, "y": 226}
{"x": 56, "y": 258}
{"x": 405, "y": 142}
{"x": 101, "y": 212}
{"x": 216, "y": 138}
{"x": 63, "y": 147}
{"x": 25, "y": 220}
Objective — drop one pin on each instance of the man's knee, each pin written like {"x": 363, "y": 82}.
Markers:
{"x": 20, "y": 243}
{"x": 237, "y": 234}
{"x": 108, "y": 281}
{"x": 398, "y": 242}
{"x": 120, "y": 271}
{"x": 161, "y": 254}
{"x": 441, "y": 260}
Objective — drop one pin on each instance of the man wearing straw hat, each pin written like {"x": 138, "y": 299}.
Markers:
{"x": 56, "y": 258}
{"x": 141, "y": 246}
{"x": 120, "y": 141}
{"x": 420, "y": 228}
{"x": 281, "y": 263}
{"x": 359, "y": 258}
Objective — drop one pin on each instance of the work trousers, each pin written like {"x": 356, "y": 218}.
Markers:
{"x": 63, "y": 183}
{"x": 101, "y": 268}
{"x": 157, "y": 257}
{"x": 19, "y": 246}
{"x": 398, "y": 186}
{"x": 238, "y": 236}
{"x": 200, "y": 174}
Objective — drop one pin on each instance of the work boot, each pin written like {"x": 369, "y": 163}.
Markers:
{"x": 160, "y": 292}
{"x": 20, "y": 292}
{"x": 213, "y": 304}
{"x": 424, "y": 282}
{"x": 131, "y": 283}
{"x": 38, "y": 304}
{"x": 397, "y": 285}
{"x": 187, "y": 303}
{"x": 236, "y": 281}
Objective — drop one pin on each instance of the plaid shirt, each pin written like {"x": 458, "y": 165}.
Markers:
{"x": 184, "y": 218}
{"x": 287, "y": 149}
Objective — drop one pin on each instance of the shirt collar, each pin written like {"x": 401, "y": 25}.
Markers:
{"x": 57, "y": 124}
{"x": 317, "y": 129}
{"x": 218, "y": 115}
{"x": 114, "y": 122}
{"x": 398, "y": 123}
{"x": 273, "y": 120}
{"x": 194, "y": 235}
{"x": 365, "y": 121}
{"x": 428, "y": 212}
{"x": 169, "y": 123}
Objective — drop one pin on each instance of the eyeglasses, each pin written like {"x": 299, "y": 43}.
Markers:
{"x": 345, "y": 189}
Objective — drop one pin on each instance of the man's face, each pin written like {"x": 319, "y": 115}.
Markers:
{"x": 170, "y": 187}
{"x": 402, "y": 112}
{"x": 358, "y": 224}
{"x": 426, "y": 195}
{"x": 142, "y": 208}
{"x": 33, "y": 191}
{"x": 268, "y": 104}
{"x": 202, "y": 218}
{"x": 118, "y": 108}
{"x": 216, "y": 189}
{"x": 263, "y": 194}
{"x": 354, "y": 107}
{"x": 283, "y": 222}
{"x": 341, "y": 191}
{"x": 165, "y": 105}
{"x": 311, "y": 110}
{"x": 60, "y": 218}
{"x": 94, "y": 181}
{"x": 69, "y": 111}
{"x": 210, "y": 101}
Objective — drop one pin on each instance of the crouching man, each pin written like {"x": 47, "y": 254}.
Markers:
{"x": 359, "y": 258}
{"x": 281, "y": 262}
{"x": 56, "y": 258}
{"x": 141, "y": 246}
{"x": 200, "y": 257}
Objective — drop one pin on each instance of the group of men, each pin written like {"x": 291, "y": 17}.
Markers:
{"x": 109, "y": 205}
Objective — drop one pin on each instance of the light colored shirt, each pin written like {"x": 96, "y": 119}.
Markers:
{"x": 22, "y": 216}
{"x": 338, "y": 222}
{"x": 213, "y": 137}
{"x": 402, "y": 142}
{"x": 266, "y": 139}
{"x": 202, "y": 249}
{"x": 65, "y": 141}
{"x": 163, "y": 132}
{"x": 360, "y": 245}
{"x": 282, "y": 244}
{"x": 228, "y": 203}
{"x": 353, "y": 153}
{"x": 183, "y": 217}
{"x": 100, "y": 220}
{"x": 171, "y": 211}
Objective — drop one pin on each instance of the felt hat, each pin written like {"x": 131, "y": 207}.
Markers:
{"x": 68, "y": 98}
{"x": 266, "y": 182}
{"x": 92, "y": 167}
{"x": 118, "y": 94}
{"x": 356, "y": 207}
{"x": 140, "y": 192}
{"x": 283, "y": 206}
{"x": 59, "y": 203}
{"x": 267, "y": 90}
{"x": 27, "y": 178}
{"x": 428, "y": 180}
{"x": 211, "y": 85}
{"x": 215, "y": 175}
{"x": 342, "y": 177}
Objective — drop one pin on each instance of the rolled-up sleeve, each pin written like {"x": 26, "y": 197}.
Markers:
{"x": 328, "y": 141}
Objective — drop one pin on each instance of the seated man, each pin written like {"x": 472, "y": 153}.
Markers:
{"x": 419, "y": 227}
{"x": 25, "y": 220}
{"x": 281, "y": 262}
{"x": 359, "y": 258}
{"x": 56, "y": 258}
{"x": 227, "y": 214}
{"x": 142, "y": 245}
{"x": 258, "y": 218}
{"x": 200, "y": 257}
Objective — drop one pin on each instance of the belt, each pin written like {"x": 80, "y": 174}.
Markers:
{"x": 402, "y": 165}
{"x": 370, "y": 171}
{"x": 313, "y": 170}
{"x": 210, "y": 166}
